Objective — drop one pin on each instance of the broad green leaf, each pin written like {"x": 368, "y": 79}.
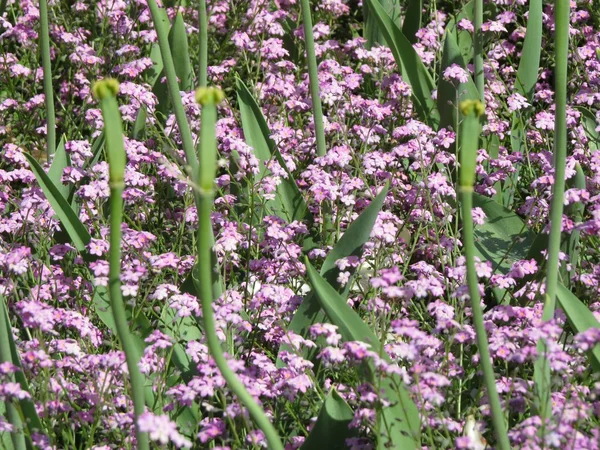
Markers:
{"x": 575, "y": 212}
{"x": 183, "y": 329}
{"x": 518, "y": 144}
{"x": 581, "y": 319}
{"x": 289, "y": 203}
{"x": 60, "y": 161}
{"x": 588, "y": 121}
{"x": 411, "y": 67}
{"x": 402, "y": 416}
{"x": 464, "y": 37}
{"x": 371, "y": 31}
{"x": 449, "y": 95}
{"x": 350, "y": 244}
{"x": 413, "y": 20}
{"x": 10, "y": 352}
{"x": 5, "y": 438}
{"x": 139, "y": 127}
{"x": 178, "y": 42}
{"x": 69, "y": 220}
{"x": 529, "y": 65}
{"x": 331, "y": 429}
{"x": 503, "y": 238}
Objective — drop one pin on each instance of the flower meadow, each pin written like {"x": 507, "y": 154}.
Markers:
{"x": 244, "y": 224}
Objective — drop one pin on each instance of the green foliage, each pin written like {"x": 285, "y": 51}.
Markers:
{"x": 402, "y": 416}
{"x": 529, "y": 65}
{"x": 331, "y": 429}
{"x": 411, "y": 67}
{"x": 350, "y": 244}
{"x": 69, "y": 220}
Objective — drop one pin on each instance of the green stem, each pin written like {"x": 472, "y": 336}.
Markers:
{"x": 47, "y": 68}
{"x": 12, "y": 413}
{"x": 561, "y": 14}
{"x": 204, "y": 180}
{"x": 106, "y": 91}
{"x": 470, "y": 132}
{"x": 203, "y": 29}
{"x": 162, "y": 33}
{"x": 313, "y": 78}
{"x": 482, "y": 341}
{"x": 478, "y": 48}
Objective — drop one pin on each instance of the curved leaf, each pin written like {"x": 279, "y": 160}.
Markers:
{"x": 411, "y": 67}
{"x": 588, "y": 121}
{"x": 289, "y": 203}
{"x": 29, "y": 413}
{"x": 60, "y": 161}
{"x": 413, "y": 20}
{"x": 350, "y": 244}
{"x": 178, "y": 42}
{"x": 402, "y": 416}
{"x": 581, "y": 319}
{"x": 503, "y": 238}
{"x": 529, "y": 65}
{"x": 331, "y": 429}
{"x": 371, "y": 31}
{"x": 449, "y": 94}
{"x": 76, "y": 230}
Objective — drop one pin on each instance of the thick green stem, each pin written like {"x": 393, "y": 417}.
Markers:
{"x": 162, "y": 33}
{"x": 203, "y": 29}
{"x": 482, "y": 341}
{"x": 204, "y": 180}
{"x": 561, "y": 14}
{"x": 478, "y": 48}
{"x": 106, "y": 91}
{"x": 313, "y": 78}
{"x": 469, "y": 145}
{"x": 47, "y": 68}
{"x": 12, "y": 413}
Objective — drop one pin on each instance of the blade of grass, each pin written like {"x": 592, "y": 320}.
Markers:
{"x": 47, "y": 70}
{"x": 449, "y": 96}
{"x": 28, "y": 413}
{"x": 139, "y": 126}
{"x": 106, "y": 91}
{"x": 581, "y": 319}
{"x": 575, "y": 212}
{"x": 350, "y": 244}
{"x": 289, "y": 203}
{"x": 331, "y": 429}
{"x": 161, "y": 27}
{"x": 208, "y": 98}
{"x": 69, "y": 220}
{"x": 60, "y": 161}
{"x": 469, "y": 138}
{"x": 313, "y": 78}
{"x": 478, "y": 48}
{"x": 529, "y": 63}
{"x": 411, "y": 67}
{"x": 402, "y": 416}
{"x": 371, "y": 31}
{"x": 413, "y": 20}
{"x": 178, "y": 43}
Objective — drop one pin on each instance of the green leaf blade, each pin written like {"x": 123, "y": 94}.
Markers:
{"x": 75, "y": 229}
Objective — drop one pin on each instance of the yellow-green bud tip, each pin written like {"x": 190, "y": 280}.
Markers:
{"x": 103, "y": 88}
{"x": 472, "y": 106}
{"x": 209, "y": 95}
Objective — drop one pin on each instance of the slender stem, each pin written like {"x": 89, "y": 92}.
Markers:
{"x": 482, "y": 341}
{"x": 47, "y": 68}
{"x": 162, "y": 33}
{"x": 12, "y": 413}
{"x": 203, "y": 29}
{"x": 469, "y": 145}
{"x": 313, "y": 78}
{"x": 204, "y": 179}
{"x": 478, "y": 48}
{"x": 561, "y": 14}
{"x": 106, "y": 91}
